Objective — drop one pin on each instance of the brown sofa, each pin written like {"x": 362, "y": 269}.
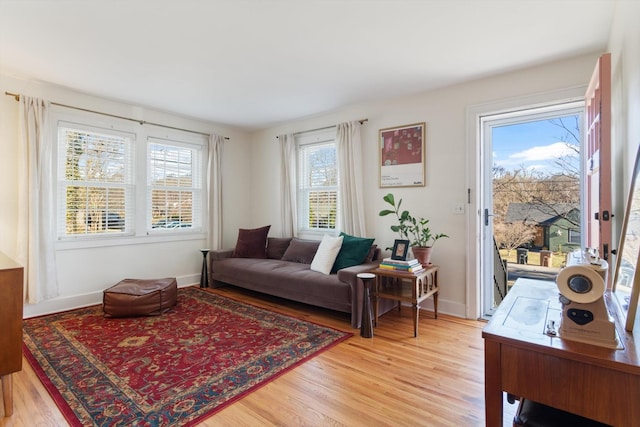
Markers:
{"x": 286, "y": 273}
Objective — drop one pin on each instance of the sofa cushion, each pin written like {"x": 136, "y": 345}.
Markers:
{"x": 326, "y": 254}
{"x": 276, "y": 246}
{"x": 301, "y": 251}
{"x": 251, "y": 243}
{"x": 291, "y": 280}
{"x": 354, "y": 251}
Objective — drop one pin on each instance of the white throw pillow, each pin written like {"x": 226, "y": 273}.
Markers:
{"x": 326, "y": 254}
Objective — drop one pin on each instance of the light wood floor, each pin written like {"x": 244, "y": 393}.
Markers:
{"x": 392, "y": 379}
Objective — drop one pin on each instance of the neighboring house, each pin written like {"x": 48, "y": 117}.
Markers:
{"x": 557, "y": 225}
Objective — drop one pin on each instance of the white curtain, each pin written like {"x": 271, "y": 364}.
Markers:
{"x": 36, "y": 196}
{"x": 349, "y": 149}
{"x": 288, "y": 185}
{"x": 214, "y": 191}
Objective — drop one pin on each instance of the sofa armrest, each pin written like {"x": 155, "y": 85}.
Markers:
{"x": 217, "y": 255}
{"x": 349, "y": 275}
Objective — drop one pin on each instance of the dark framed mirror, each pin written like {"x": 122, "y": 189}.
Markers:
{"x": 626, "y": 282}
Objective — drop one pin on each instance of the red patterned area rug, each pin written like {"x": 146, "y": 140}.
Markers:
{"x": 175, "y": 369}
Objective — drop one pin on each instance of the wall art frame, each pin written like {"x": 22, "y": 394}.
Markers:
{"x": 402, "y": 156}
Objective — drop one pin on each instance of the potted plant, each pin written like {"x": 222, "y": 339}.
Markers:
{"x": 416, "y": 230}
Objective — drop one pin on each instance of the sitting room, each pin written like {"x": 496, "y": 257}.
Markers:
{"x": 212, "y": 212}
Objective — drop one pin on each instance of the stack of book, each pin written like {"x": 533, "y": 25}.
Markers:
{"x": 409, "y": 266}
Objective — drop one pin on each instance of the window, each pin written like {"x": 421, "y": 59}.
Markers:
{"x": 174, "y": 185}
{"x": 113, "y": 186}
{"x": 317, "y": 184}
{"x": 95, "y": 180}
{"x": 574, "y": 236}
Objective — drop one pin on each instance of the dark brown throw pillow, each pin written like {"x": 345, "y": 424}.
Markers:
{"x": 276, "y": 246}
{"x": 301, "y": 251}
{"x": 371, "y": 254}
{"x": 252, "y": 243}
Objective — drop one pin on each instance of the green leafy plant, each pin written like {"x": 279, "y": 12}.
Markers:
{"x": 416, "y": 230}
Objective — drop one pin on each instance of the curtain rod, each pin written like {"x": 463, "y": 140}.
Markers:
{"x": 361, "y": 121}
{"x": 142, "y": 122}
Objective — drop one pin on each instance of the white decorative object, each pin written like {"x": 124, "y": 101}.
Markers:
{"x": 326, "y": 254}
{"x": 585, "y": 316}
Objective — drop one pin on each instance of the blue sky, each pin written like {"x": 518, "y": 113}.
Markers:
{"x": 536, "y": 145}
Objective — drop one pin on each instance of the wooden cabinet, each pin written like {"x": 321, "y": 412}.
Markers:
{"x": 11, "y": 300}
{"x": 591, "y": 381}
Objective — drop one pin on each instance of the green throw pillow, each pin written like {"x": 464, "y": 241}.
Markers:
{"x": 354, "y": 250}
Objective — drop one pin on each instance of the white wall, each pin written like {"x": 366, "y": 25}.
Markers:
{"x": 84, "y": 273}
{"x": 444, "y": 112}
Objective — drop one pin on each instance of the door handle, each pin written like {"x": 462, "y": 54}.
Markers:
{"x": 486, "y": 216}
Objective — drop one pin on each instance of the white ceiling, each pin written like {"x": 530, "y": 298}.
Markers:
{"x": 256, "y": 63}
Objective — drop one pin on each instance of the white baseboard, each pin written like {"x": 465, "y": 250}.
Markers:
{"x": 445, "y": 307}
{"x": 57, "y": 305}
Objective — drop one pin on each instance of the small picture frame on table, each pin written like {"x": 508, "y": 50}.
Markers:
{"x": 400, "y": 250}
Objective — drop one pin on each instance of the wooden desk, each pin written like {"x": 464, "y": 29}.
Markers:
{"x": 591, "y": 381}
{"x": 11, "y": 278}
{"x": 407, "y": 287}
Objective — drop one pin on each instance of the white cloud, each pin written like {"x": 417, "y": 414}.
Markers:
{"x": 547, "y": 152}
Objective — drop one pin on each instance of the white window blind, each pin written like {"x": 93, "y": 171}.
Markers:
{"x": 174, "y": 185}
{"x": 318, "y": 186}
{"x": 95, "y": 177}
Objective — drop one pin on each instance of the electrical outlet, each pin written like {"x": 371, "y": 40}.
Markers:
{"x": 458, "y": 209}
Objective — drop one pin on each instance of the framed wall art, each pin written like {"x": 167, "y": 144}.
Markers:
{"x": 402, "y": 156}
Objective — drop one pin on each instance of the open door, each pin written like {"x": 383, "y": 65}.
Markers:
{"x": 544, "y": 179}
{"x": 598, "y": 166}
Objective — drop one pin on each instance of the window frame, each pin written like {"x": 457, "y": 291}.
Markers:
{"x": 570, "y": 236}
{"x": 198, "y": 184}
{"x": 128, "y": 184}
{"x": 306, "y": 140}
{"x": 139, "y": 232}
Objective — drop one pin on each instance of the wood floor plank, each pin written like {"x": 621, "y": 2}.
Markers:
{"x": 392, "y": 379}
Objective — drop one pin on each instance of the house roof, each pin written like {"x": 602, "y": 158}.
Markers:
{"x": 534, "y": 213}
{"x": 254, "y": 64}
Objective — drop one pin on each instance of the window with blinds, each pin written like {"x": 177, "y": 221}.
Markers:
{"x": 318, "y": 186}
{"x": 174, "y": 185}
{"x": 118, "y": 181}
{"x": 95, "y": 176}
